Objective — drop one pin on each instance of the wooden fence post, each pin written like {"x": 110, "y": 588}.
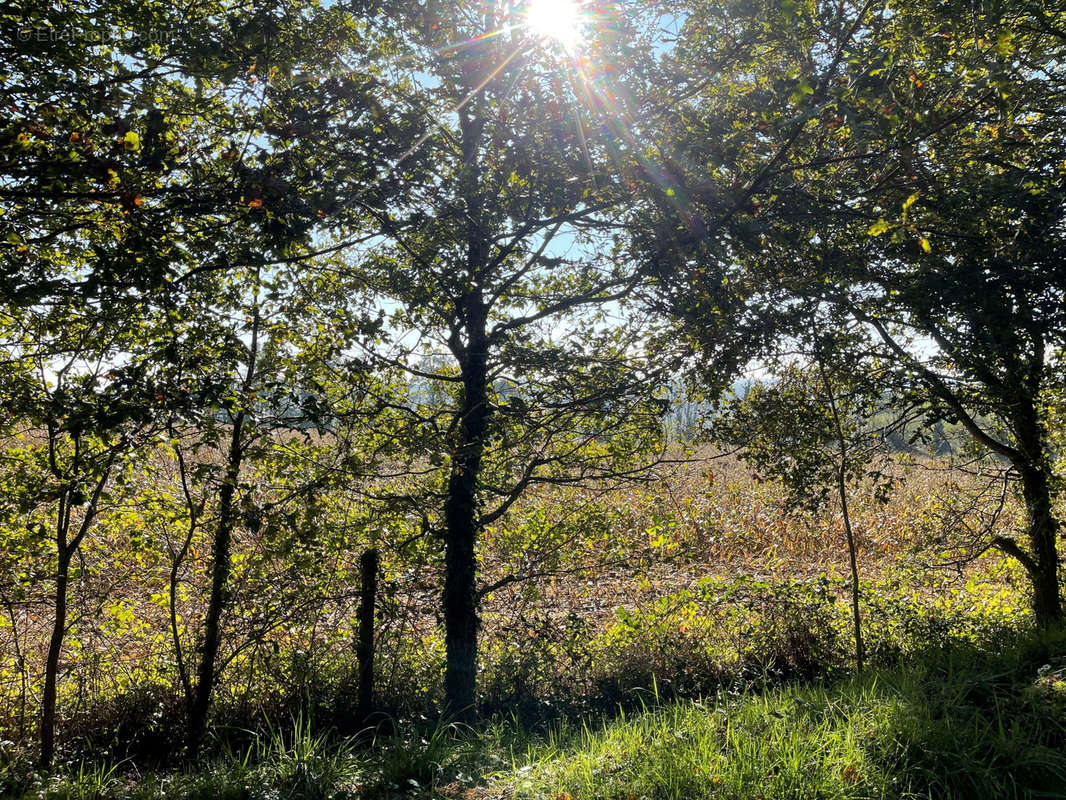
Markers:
{"x": 368, "y": 563}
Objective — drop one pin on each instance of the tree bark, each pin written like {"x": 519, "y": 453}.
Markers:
{"x": 221, "y": 558}
{"x": 65, "y": 550}
{"x": 51, "y": 667}
{"x": 220, "y": 571}
{"x": 860, "y": 647}
{"x": 462, "y": 517}
{"x": 462, "y": 523}
{"x": 1042, "y": 533}
{"x": 1042, "y": 527}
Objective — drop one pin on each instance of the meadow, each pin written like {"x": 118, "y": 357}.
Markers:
{"x": 350, "y": 352}
{"x": 683, "y": 636}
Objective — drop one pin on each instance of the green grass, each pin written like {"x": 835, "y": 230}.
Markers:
{"x": 867, "y": 739}
{"x": 961, "y": 725}
{"x": 967, "y": 722}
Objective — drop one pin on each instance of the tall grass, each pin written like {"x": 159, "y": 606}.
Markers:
{"x": 969, "y": 721}
{"x": 964, "y": 725}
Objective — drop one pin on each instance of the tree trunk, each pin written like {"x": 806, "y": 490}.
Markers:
{"x": 51, "y": 667}
{"x": 1043, "y": 566}
{"x": 221, "y": 558}
{"x": 860, "y": 649}
{"x": 220, "y": 570}
{"x": 365, "y": 653}
{"x": 1042, "y": 562}
{"x": 462, "y": 521}
{"x": 845, "y": 511}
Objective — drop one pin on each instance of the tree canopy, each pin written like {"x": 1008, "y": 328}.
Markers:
{"x": 899, "y": 162}
{"x": 308, "y": 301}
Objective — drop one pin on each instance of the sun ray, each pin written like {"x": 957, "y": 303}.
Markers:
{"x": 562, "y": 21}
{"x": 433, "y": 128}
{"x": 454, "y": 46}
{"x": 600, "y": 97}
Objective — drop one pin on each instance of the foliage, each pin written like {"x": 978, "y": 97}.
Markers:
{"x": 900, "y": 163}
{"x": 500, "y": 273}
{"x": 957, "y": 721}
{"x": 811, "y": 424}
{"x": 280, "y": 284}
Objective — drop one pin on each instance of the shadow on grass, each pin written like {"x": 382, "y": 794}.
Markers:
{"x": 966, "y": 719}
{"x": 979, "y": 719}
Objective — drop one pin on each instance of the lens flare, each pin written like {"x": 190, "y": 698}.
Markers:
{"x": 559, "y": 20}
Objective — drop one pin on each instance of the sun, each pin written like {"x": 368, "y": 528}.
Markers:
{"x": 560, "y": 20}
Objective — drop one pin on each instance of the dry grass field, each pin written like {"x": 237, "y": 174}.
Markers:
{"x": 689, "y": 565}
{"x": 696, "y": 580}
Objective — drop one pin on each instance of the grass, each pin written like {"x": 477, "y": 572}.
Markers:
{"x": 707, "y": 656}
{"x": 969, "y": 721}
{"x": 899, "y": 734}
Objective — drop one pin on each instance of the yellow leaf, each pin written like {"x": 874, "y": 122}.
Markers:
{"x": 925, "y": 245}
{"x": 878, "y": 228}
{"x": 131, "y": 141}
{"x": 910, "y": 201}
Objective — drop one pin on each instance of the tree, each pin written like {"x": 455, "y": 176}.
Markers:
{"x": 903, "y": 164}
{"x": 280, "y": 373}
{"x": 77, "y": 420}
{"x": 811, "y": 425}
{"x": 239, "y": 414}
{"x": 501, "y": 271}
{"x": 155, "y": 152}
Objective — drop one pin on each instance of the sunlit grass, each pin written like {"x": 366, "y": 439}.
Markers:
{"x": 966, "y": 722}
{"x": 945, "y": 729}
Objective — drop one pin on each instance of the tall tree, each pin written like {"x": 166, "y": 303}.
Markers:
{"x": 78, "y": 419}
{"x": 281, "y": 371}
{"x": 902, "y": 162}
{"x": 501, "y": 264}
{"x": 153, "y": 152}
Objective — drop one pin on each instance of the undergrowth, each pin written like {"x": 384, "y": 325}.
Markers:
{"x": 970, "y": 718}
{"x": 960, "y": 724}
